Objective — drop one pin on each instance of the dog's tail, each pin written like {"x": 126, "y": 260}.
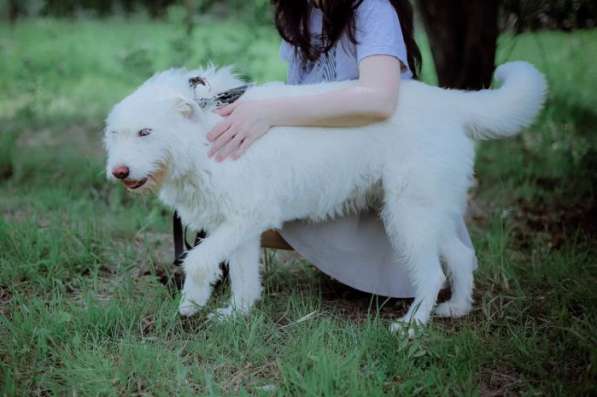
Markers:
{"x": 504, "y": 112}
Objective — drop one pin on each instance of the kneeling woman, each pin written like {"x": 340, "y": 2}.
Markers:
{"x": 371, "y": 42}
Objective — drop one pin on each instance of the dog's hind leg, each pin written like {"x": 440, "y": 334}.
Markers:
{"x": 460, "y": 263}
{"x": 245, "y": 279}
{"x": 413, "y": 231}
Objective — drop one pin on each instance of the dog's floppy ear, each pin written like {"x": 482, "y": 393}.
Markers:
{"x": 198, "y": 80}
{"x": 184, "y": 107}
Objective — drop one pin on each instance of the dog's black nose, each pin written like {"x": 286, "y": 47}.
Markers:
{"x": 121, "y": 172}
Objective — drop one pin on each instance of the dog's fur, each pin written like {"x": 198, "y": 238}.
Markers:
{"x": 418, "y": 163}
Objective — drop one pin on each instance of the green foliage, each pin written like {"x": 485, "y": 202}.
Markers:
{"x": 138, "y": 61}
{"x": 550, "y": 14}
{"x": 255, "y": 10}
{"x": 82, "y": 306}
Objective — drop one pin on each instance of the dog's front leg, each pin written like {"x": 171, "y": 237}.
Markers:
{"x": 202, "y": 264}
{"x": 245, "y": 279}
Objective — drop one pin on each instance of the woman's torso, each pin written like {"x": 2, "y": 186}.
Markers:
{"x": 377, "y": 32}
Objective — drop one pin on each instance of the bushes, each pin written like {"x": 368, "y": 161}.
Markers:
{"x": 69, "y": 8}
{"x": 257, "y": 10}
{"x": 549, "y": 14}
{"x": 518, "y": 14}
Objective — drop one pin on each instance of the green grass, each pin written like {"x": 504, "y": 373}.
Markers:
{"x": 83, "y": 309}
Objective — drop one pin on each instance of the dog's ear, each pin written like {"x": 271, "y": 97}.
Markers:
{"x": 184, "y": 107}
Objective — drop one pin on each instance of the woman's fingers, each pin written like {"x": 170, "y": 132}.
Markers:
{"x": 223, "y": 125}
{"x": 248, "y": 141}
{"x": 219, "y": 129}
{"x": 231, "y": 147}
{"x": 222, "y": 140}
{"x": 232, "y": 138}
{"x": 227, "y": 110}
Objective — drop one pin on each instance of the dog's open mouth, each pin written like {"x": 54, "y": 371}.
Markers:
{"x": 133, "y": 184}
{"x": 151, "y": 181}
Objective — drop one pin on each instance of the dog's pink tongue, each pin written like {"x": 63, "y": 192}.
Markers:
{"x": 132, "y": 184}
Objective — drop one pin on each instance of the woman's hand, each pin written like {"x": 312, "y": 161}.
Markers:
{"x": 244, "y": 122}
{"x": 372, "y": 98}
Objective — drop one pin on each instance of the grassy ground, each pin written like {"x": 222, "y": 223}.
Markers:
{"x": 83, "y": 306}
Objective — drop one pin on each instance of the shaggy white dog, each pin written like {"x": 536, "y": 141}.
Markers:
{"x": 418, "y": 164}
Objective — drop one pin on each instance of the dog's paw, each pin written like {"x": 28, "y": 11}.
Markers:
{"x": 403, "y": 329}
{"x": 409, "y": 327}
{"x": 229, "y": 311}
{"x": 452, "y": 309}
{"x": 192, "y": 300}
{"x": 225, "y": 313}
{"x": 188, "y": 307}
{"x": 194, "y": 297}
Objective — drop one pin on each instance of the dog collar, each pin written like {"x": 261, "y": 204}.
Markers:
{"x": 223, "y": 98}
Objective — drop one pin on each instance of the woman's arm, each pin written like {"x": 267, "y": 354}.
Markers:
{"x": 372, "y": 98}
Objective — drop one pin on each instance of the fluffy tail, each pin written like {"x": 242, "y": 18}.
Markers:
{"x": 504, "y": 112}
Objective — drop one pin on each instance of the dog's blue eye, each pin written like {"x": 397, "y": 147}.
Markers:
{"x": 144, "y": 132}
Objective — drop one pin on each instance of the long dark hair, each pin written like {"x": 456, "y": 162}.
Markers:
{"x": 292, "y": 22}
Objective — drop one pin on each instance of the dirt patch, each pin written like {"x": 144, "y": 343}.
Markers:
{"x": 559, "y": 221}
{"x": 358, "y": 305}
{"x": 499, "y": 382}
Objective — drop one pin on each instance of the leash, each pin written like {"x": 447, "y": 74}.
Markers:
{"x": 181, "y": 245}
{"x": 223, "y": 98}
{"x": 179, "y": 233}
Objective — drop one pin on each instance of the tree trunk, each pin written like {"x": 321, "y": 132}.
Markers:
{"x": 189, "y": 6}
{"x": 13, "y": 11}
{"x": 157, "y": 8}
{"x": 463, "y": 38}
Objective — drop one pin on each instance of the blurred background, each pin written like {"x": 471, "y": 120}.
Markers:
{"x": 77, "y": 252}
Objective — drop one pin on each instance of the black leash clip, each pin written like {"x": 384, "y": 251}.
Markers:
{"x": 181, "y": 245}
{"x": 223, "y": 98}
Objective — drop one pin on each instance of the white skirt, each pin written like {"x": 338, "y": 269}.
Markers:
{"x": 355, "y": 251}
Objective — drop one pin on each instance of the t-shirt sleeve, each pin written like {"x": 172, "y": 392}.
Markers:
{"x": 378, "y": 31}
{"x": 286, "y": 50}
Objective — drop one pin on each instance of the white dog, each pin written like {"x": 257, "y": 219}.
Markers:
{"x": 420, "y": 162}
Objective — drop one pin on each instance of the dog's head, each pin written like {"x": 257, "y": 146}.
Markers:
{"x": 142, "y": 138}
{"x": 158, "y": 129}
